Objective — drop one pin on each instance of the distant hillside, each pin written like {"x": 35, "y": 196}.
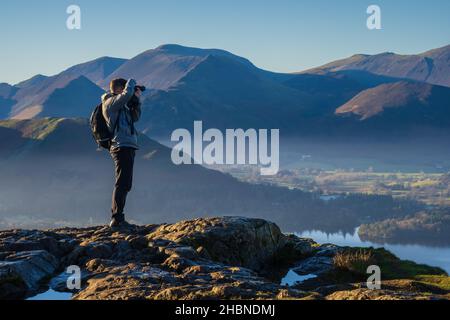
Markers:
{"x": 33, "y": 81}
{"x": 6, "y": 101}
{"x": 331, "y": 90}
{"x": 96, "y": 70}
{"x": 76, "y": 99}
{"x": 431, "y": 228}
{"x": 50, "y": 171}
{"x": 6, "y": 90}
{"x": 223, "y": 93}
{"x": 432, "y": 66}
{"x": 31, "y": 95}
{"x": 402, "y": 102}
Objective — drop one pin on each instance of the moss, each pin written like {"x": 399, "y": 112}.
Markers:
{"x": 354, "y": 260}
{"x": 440, "y": 281}
{"x": 394, "y": 268}
{"x": 352, "y": 263}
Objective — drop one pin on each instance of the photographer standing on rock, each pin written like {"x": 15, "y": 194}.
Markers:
{"x": 121, "y": 107}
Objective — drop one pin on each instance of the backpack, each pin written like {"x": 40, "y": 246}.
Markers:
{"x": 99, "y": 128}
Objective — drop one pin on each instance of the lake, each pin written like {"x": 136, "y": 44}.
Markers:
{"x": 433, "y": 256}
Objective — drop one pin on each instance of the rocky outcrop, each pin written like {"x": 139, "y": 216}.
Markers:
{"x": 30, "y": 266}
{"x": 236, "y": 241}
{"x": 209, "y": 258}
{"x": 27, "y": 258}
{"x": 321, "y": 262}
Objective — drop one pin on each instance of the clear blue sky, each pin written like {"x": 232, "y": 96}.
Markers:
{"x": 278, "y": 35}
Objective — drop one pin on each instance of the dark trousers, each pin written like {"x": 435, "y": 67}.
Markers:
{"x": 123, "y": 162}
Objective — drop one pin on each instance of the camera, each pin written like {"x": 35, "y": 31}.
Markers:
{"x": 142, "y": 88}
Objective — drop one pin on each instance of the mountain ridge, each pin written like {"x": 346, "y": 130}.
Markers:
{"x": 163, "y": 66}
{"x": 225, "y": 90}
{"x": 398, "y": 104}
{"x": 32, "y": 93}
{"x": 430, "y": 66}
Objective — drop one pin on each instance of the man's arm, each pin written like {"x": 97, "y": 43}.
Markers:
{"x": 136, "y": 111}
{"x": 135, "y": 105}
{"x": 118, "y": 101}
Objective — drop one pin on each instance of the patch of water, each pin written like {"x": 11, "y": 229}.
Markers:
{"x": 293, "y": 278}
{"x": 52, "y": 295}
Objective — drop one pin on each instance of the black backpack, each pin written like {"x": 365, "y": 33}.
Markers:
{"x": 99, "y": 128}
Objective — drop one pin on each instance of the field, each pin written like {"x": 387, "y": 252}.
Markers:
{"x": 430, "y": 188}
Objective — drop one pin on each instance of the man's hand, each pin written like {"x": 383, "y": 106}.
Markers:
{"x": 138, "y": 92}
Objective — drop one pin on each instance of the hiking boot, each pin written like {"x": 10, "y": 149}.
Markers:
{"x": 119, "y": 223}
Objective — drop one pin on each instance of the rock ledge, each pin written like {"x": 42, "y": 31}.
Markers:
{"x": 207, "y": 258}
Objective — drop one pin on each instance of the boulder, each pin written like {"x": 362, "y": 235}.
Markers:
{"x": 237, "y": 241}
{"x": 24, "y": 240}
{"x": 26, "y": 269}
{"x": 320, "y": 263}
{"x": 12, "y": 285}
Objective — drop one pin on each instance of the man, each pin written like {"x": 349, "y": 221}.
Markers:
{"x": 121, "y": 107}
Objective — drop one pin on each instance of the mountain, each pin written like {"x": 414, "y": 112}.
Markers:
{"x": 32, "y": 94}
{"x": 332, "y": 89}
{"x": 227, "y": 91}
{"x": 402, "y": 102}
{"x": 6, "y": 90}
{"x": 186, "y": 84}
{"x": 35, "y": 80}
{"x": 158, "y": 69}
{"x": 224, "y": 93}
{"x": 96, "y": 70}
{"x": 75, "y": 99}
{"x": 432, "y": 66}
{"x": 6, "y": 101}
{"x": 164, "y": 66}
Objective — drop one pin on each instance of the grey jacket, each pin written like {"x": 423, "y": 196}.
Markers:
{"x": 114, "y": 107}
